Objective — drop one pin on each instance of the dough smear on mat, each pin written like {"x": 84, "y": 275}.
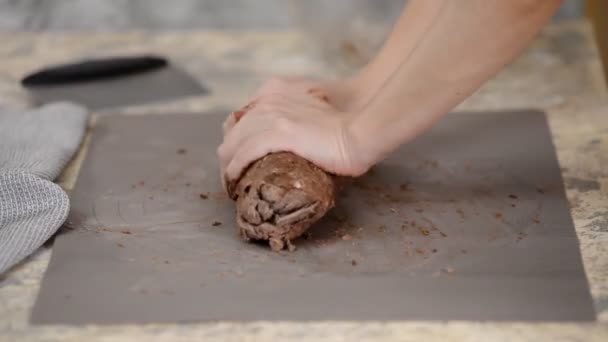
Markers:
{"x": 279, "y": 197}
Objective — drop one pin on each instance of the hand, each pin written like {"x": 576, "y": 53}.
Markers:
{"x": 342, "y": 94}
{"x": 299, "y": 120}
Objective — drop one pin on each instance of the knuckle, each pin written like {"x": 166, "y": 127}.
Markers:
{"x": 229, "y": 120}
{"x": 271, "y": 102}
{"x": 272, "y": 98}
{"x": 359, "y": 171}
{"x": 274, "y": 82}
{"x": 283, "y": 124}
{"x": 221, "y": 151}
{"x": 266, "y": 108}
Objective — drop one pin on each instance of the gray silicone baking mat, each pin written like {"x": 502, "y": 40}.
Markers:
{"x": 468, "y": 222}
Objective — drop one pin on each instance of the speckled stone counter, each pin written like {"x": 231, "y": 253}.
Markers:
{"x": 560, "y": 73}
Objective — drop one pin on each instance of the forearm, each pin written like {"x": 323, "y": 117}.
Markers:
{"x": 409, "y": 27}
{"x": 458, "y": 45}
{"x": 353, "y": 93}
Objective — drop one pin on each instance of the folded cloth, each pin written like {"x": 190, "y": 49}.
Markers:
{"x": 34, "y": 147}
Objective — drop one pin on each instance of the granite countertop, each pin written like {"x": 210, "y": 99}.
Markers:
{"x": 560, "y": 73}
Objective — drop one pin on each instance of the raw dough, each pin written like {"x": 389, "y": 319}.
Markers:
{"x": 279, "y": 197}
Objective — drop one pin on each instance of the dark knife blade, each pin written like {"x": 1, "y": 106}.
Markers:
{"x": 94, "y": 69}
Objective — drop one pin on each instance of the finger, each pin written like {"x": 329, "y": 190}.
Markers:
{"x": 319, "y": 94}
{"x": 269, "y": 87}
{"x": 223, "y": 180}
{"x": 265, "y": 115}
{"x": 229, "y": 123}
{"x": 257, "y": 111}
{"x": 246, "y": 127}
{"x": 291, "y": 104}
{"x": 236, "y": 116}
{"x": 285, "y": 85}
{"x": 254, "y": 148}
{"x": 239, "y": 113}
{"x": 260, "y": 117}
{"x": 292, "y": 86}
{"x": 274, "y": 84}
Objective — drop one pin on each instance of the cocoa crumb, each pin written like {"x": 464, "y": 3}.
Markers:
{"x": 434, "y": 250}
{"x": 338, "y": 218}
{"x": 419, "y": 251}
{"x": 520, "y": 236}
{"x": 460, "y": 212}
{"x": 498, "y": 215}
{"x": 120, "y": 245}
{"x": 216, "y": 223}
{"x": 126, "y": 232}
{"x": 320, "y": 242}
{"x": 187, "y": 184}
{"x": 182, "y": 151}
{"x": 540, "y": 190}
{"x": 167, "y": 262}
{"x": 513, "y": 205}
{"x": 404, "y": 187}
{"x": 353, "y": 262}
{"x": 203, "y": 196}
{"x": 443, "y": 234}
{"x": 536, "y": 221}
{"x": 102, "y": 229}
{"x": 361, "y": 185}
{"x": 463, "y": 251}
{"x": 513, "y": 196}
{"x": 391, "y": 198}
{"x": 151, "y": 197}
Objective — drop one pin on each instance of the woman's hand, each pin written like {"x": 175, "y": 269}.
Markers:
{"x": 412, "y": 83}
{"x": 297, "y": 117}
{"x": 342, "y": 94}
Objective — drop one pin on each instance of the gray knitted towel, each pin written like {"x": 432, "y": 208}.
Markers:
{"x": 34, "y": 147}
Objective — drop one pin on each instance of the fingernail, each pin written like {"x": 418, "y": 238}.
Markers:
{"x": 239, "y": 113}
{"x": 318, "y": 93}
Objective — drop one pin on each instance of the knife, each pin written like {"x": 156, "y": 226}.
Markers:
{"x": 93, "y": 69}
